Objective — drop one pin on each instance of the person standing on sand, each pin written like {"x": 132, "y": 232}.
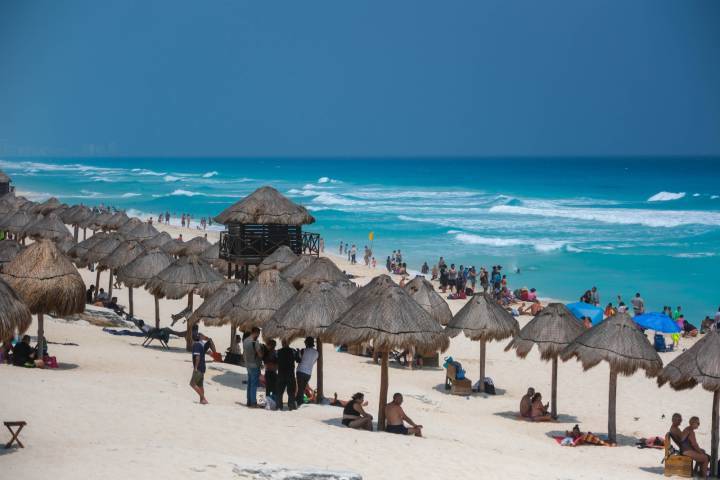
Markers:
{"x": 594, "y": 296}
{"x": 638, "y": 304}
{"x": 374, "y": 263}
{"x": 435, "y": 272}
{"x": 252, "y": 355}
{"x": 388, "y": 264}
{"x": 341, "y": 245}
{"x": 396, "y": 419}
{"x": 286, "y": 376}
{"x": 270, "y": 360}
{"x": 198, "y": 359}
{"x": 353, "y": 255}
{"x": 305, "y": 367}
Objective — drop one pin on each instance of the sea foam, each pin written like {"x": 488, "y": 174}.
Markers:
{"x": 540, "y": 245}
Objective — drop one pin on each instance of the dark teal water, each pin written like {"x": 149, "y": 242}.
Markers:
{"x": 624, "y": 225}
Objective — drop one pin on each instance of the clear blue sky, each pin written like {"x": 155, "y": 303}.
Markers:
{"x": 360, "y": 78}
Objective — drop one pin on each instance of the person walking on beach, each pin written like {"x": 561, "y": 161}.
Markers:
{"x": 472, "y": 277}
{"x": 425, "y": 268}
{"x": 366, "y": 256}
{"x": 305, "y": 367}
{"x": 198, "y": 360}
{"x": 286, "y": 376}
{"x": 353, "y": 255}
{"x": 252, "y": 355}
{"x": 341, "y": 247}
{"x": 388, "y": 264}
{"x": 638, "y": 304}
{"x": 374, "y": 263}
{"x": 167, "y": 217}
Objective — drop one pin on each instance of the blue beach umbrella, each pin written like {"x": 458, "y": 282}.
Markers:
{"x": 657, "y": 321}
{"x": 582, "y": 309}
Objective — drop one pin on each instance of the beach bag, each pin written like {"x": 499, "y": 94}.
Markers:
{"x": 489, "y": 386}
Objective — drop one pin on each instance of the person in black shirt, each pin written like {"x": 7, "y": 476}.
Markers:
{"x": 270, "y": 358}
{"x": 286, "y": 358}
{"x": 90, "y": 294}
{"x": 23, "y": 353}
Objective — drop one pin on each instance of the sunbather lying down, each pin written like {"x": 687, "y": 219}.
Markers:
{"x": 575, "y": 437}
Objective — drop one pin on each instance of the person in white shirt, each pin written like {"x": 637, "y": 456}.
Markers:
{"x": 305, "y": 368}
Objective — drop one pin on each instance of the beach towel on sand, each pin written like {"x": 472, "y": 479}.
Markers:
{"x": 586, "y": 439}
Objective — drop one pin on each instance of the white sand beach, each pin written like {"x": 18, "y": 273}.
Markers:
{"x": 116, "y": 410}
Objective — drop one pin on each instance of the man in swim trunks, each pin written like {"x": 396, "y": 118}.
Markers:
{"x": 395, "y": 416}
{"x": 198, "y": 360}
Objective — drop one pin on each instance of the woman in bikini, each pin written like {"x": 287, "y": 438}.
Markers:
{"x": 538, "y": 411}
{"x": 690, "y": 448}
{"x": 354, "y": 416}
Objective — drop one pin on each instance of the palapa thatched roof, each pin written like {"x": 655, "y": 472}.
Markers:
{"x": 65, "y": 244}
{"x": 141, "y": 270}
{"x": 4, "y": 178}
{"x": 79, "y": 251}
{"x": 212, "y": 255}
{"x": 278, "y": 260}
{"x": 308, "y": 313}
{"x": 321, "y": 270}
{"x": 379, "y": 283}
{"x": 698, "y": 365}
{"x": 9, "y": 250}
{"x": 67, "y": 214}
{"x": 210, "y": 310}
{"x": 100, "y": 221}
{"x": 195, "y": 246}
{"x": 265, "y": 206}
{"x": 125, "y": 253}
{"x": 553, "y": 329}
{"x": 144, "y": 231}
{"x": 104, "y": 248}
{"x": 618, "y": 341}
{"x": 173, "y": 247}
{"x": 391, "y": 319}
{"x": 49, "y": 226}
{"x": 129, "y": 226}
{"x": 481, "y": 318}
{"x": 88, "y": 221}
{"x": 14, "y": 314}
{"x": 298, "y": 266}
{"x": 18, "y": 221}
{"x": 46, "y": 280}
{"x": 48, "y": 206}
{"x": 258, "y": 301}
{"x": 117, "y": 220}
{"x": 424, "y": 294}
{"x": 345, "y": 287}
{"x": 157, "y": 241}
{"x": 185, "y": 275}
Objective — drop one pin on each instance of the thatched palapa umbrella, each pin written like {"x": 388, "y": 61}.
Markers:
{"x": 377, "y": 284}
{"x": 98, "y": 253}
{"x": 144, "y": 231}
{"x": 75, "y": 216}
{"x": 321, "y": 270}
{"x": 48, "y": 206}
{"x": 308, "y": 314}
{"x": 47, "y": 282}
{"x": 297, "y": 267}
{"x": 699, "y": 365}
{"x": 65, "y": 244}
{"x": 258, "y": 301}
{"x": 100, "y": 221}
{"x": 185, "y": 276}
{"x": 125, "y": 253}
{"x": 157, "y": 241}
{"x": 553, "y": 329}
{"x": 8, "y": 250}
{"x": 483, "y": 319}
{"x": 174, "y": 247}
{"x": 49, "y": 227}
{"x": 389, "y": 318}
{"x": 424, "y": 293}
{"x": 141, "y": 270}
{"x": 129, "y": 226}
{"x": 278, "y": 260}
{"x": 196, "y": 246}
{"x": 14, "y": 314}
{"x": 210, "y": 311}
{"x": 345, "y": 287}
{"x": 79, "y": 252}
{"x": 618, "y": 341}
{"x": 18, "y": 221}
{"x": 117, "y": 220}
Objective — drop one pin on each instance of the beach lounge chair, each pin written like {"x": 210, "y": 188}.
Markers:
{"x": 456, "y": 385}
{"x": 676, "y": 463}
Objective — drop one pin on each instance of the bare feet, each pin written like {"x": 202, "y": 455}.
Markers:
{"x": 203, "y": 401}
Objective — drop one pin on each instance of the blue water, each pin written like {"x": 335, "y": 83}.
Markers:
{"x": 624, "y": 225}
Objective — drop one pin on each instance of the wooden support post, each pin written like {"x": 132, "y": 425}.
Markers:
{"x": 97, "y": 281}
{"x": 130, "y": 301}
{"x": 553, "y": 399}
{"x": 612, "y": 396}
{"x": 714, "y": 434}
{"x": 383, "y": 391}
{"x": 481, "y": 388}
{"x": 110, "y": 284}
{"x": 188, "y": 330}
{"x": 40, "y": 335}
{"x": 319, "y": 396}
{"x": 157, "y": 312}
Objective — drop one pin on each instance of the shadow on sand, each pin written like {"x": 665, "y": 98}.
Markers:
{"x": 229, "y": 378}
{"x": 498, "y": 392}
{"x": 562, "y": 418}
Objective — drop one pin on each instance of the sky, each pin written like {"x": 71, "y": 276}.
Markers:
{"x": 364, "y": 78}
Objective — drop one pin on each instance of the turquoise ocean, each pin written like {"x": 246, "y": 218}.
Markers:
{"x": 625, "y": 225}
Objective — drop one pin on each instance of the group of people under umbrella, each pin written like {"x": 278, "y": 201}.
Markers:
{"x": 302, "y": 296}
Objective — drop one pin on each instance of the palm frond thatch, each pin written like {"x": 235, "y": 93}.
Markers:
{"x": 265, "y": 206}
{"x": 391, "y": 319}
{"x": 126, "y": 252}
{"x": 100, "y": 221}
{"x": 295, "y": 268}
{"x": 212, "y": 255}
{"x": 379, "y": 283}
{"x": 65, "y": 244}
{"x": 78, "y": 252}
{"x": 483, "y": 319}
{"x": 345, "y": 287}
{"x": 282, "y": 257}
{"x": 552, "y": 330}
{"x": 16, "y": 222}
{"x": 129, "y": 226}
{"x": 144, "y": 231}
{"x": 104, "y": 248}
{"x": 618, "y": 341}
{"x": 49, "y": 227}
{"x": 321, "y": 270}
{"x": 9, "y": 250}
{"x": 46, "y": 280}
{"x": 195, "y": 246}
{"x": 184, "y": 276}
{"x": 48, "y": 206}
{"x": 173, "y": 247}
{"x": 210, "y": 310}
{"x": 424, "y": 294}
{"x": 117, "y": 220}
{"x": 307, "y": 314}
{"x": 141, "y": 270}
{"x": 157, "y": 241}
{"x": 698, "y": 365}
{"x": 258, "y": 301}
{"x": 14, "y": 314}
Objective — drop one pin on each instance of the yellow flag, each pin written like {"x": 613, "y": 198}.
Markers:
{"x": 371, "y": 236}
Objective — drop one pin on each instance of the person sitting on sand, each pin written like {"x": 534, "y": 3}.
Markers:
{"x": 113, "y": 305}
{"x": 396, "y": 418}
{"x": 336, "y": 402}
{"x": 689, "y": 330}
{"x": 23, "y": 355}
{"x": 539, "y": 412}
{"x": 609, "y": 310}
{"x": 354, "y": 416}
{"x": 706, "y": 325}
{"x": 533, "y": 309}
{"x": 526, "y": 403}
{"x": 690, "y": 448}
